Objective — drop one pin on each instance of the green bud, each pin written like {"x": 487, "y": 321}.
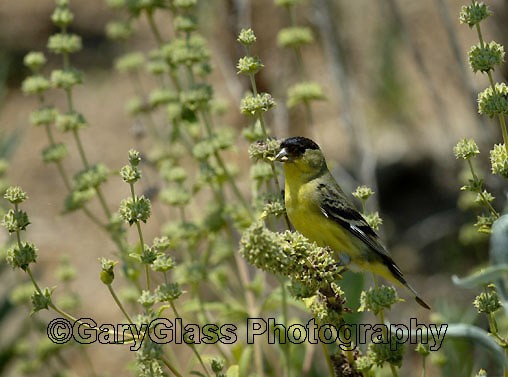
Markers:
{"x": 157, "y": 66}
{"x": 178, "y": 196}
{"x": 364, "y": 364}
{"x": 134, "y": 157}
{"x": 254, "y": 105}
{"x": 473, "y": 14}
{"x": 35, "y": 85}
{"x": 15, "y": 195}
{"x": 54, "y": 153}
{"x": 62, "y": 16}
{"x": 119, "y": 30}
{"x": 41, "y": 300}
{"x": 63, "y": 43}
{"x": 91, "y": 177}
{"x": 163, "y": 263}
{"x": 249, "y": 65}
{"x": 77, "y": 199}
{"x": 186, "y": 51}
{"x": 264, "y": 150}
{"x": 423, "y": 349}
{"x": 107, "y": 273}
{"x": 383, "y": 352}
{"x": 197, "y": 97}
{"x": 136, "y": 106}
{"x": 484, "y": 198}
{"x": 159, "y": 97}
{"x": 168, "y": 292}
{"x": 466, "y": 149}
{"x": 217, "y": 365}
{"x": 481, "y": 373}
{"x": 377, "y": 299}
{"x": 147, "y": 299}
{"x": 171, "y": 173}
{"x": 363, "y": 193}
{"x": 129, "y": 62}
{"x": 493, "y": 102}
{"x": 487, "y": 301}
{"x": 21, "y": 256}
{"x": 161, "y": 244}
{"x": 70, "y": 122}
{"x": 294, "y": 37}
{"x": 499, "y": 160}
{"x": 186, "y": 24}
{"x": 484, "y": 223}
{"x": 34, "y": 60}
{"x": 304, "y": 92}
{"x": 66, "y": 79}
{"x": 374, "y": 220}
{"x": 130, "y": 174}
{"x": 485, "y": 58}
{"x": 44, "y": 116}
{"x": 135, "y": 210}
{"x": 246, "y": 37}
{"x": 15, "y": 220}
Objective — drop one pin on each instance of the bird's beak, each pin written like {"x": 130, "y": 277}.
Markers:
{"x": 282, "y": 156}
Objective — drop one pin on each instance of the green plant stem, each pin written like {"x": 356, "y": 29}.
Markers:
{"x": 493, "y": 86}
{"x": 489, "y": 205}
{"x": 286, "y": 349}
{"x": 154, "y": 28}
{"x": 328, "y": 359}
{"x": 119, "y": 303}
{"x": 192, "y": 346}
{"x": 393, "y": 368}
{"x": 250, "y": 299}
{"x": 168, "y": 364}
{"x": 208, "y": 126}
{"x": 424, "y": 365}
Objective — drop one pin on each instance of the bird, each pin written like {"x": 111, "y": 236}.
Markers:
{"x": 319, "y": 209}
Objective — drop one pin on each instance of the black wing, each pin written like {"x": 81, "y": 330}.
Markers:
{"x": 335, "y": 206}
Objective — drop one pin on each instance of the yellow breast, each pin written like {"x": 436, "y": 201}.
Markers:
{"x": 302, "y": 205}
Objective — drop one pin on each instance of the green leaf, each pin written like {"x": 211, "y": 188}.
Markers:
{"x": 233, "y": 371}
{"x": 482, "y": 277}
{"x": 478, "y": 336}
{"x": 499, "y": 256}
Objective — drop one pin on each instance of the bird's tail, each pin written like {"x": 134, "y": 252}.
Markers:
{"x": 397, "y": 274}
{"x": 418, "y": 299}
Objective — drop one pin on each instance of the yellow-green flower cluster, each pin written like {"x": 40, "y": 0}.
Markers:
{"x": 295, "y": 36}
{"x": 257, "y": 104}
{"x": 383, "y": 352}
{"x": 377, "y": 299}
{"x": 304, "y": 92}
{"x": 473, "y": 14}
{"x": 499, "y": 160}
{"x": 484, "y": 57}
{"x": 466, "y": 149}
{"x": 487, "y": 301}
{"x": 288, "y": 254}
{"x": 494, "y": 101}
{"x": 246, "y": 37}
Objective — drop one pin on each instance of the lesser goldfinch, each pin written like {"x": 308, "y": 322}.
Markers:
{"x": 318, "y": 208}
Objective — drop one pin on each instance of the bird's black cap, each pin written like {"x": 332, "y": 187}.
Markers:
{"x": 298, "y": 145}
